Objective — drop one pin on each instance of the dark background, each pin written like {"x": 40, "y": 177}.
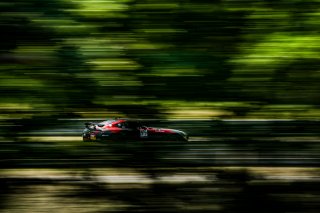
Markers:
{"x": 240, "y": 76}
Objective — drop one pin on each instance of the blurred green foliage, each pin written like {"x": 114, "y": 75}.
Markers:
{"x": 168, "y": 58}
{"x": 160, "y": 59}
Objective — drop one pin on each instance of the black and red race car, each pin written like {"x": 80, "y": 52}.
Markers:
{"x": 129, "y": 130}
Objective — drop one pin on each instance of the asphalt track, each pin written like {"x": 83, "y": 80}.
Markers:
{"x": 54, "y": 171}
{"x": 197, "y": 152}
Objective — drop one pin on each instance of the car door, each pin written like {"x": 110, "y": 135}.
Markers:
{"x": 130, "y": 130}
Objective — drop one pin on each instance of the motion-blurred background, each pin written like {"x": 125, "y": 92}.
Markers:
{"x": 240, "y": 76}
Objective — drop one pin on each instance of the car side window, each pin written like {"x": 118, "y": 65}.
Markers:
{"x": 129, "y": 125}
{"x": 124, "y": 125}
{"x": 133, "y": 125}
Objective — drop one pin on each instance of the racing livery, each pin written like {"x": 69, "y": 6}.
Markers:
{"x": 128, "y": 130}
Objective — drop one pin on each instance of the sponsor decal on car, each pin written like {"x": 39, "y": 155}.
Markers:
{"x": 93, "y": 137}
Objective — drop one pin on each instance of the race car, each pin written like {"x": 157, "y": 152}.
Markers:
{"x": 129, "y": 130}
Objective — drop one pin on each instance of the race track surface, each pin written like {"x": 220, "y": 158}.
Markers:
{"x": 52, "y": 172}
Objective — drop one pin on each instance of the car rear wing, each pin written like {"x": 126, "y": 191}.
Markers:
{"x": 90, "y": 125}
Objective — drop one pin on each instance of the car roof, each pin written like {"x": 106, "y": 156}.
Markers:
{"x": 115, "y": 121}
{"x": 125, "y": 120}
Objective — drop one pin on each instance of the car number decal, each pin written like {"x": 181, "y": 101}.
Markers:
{"x": 143, "y": 133}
